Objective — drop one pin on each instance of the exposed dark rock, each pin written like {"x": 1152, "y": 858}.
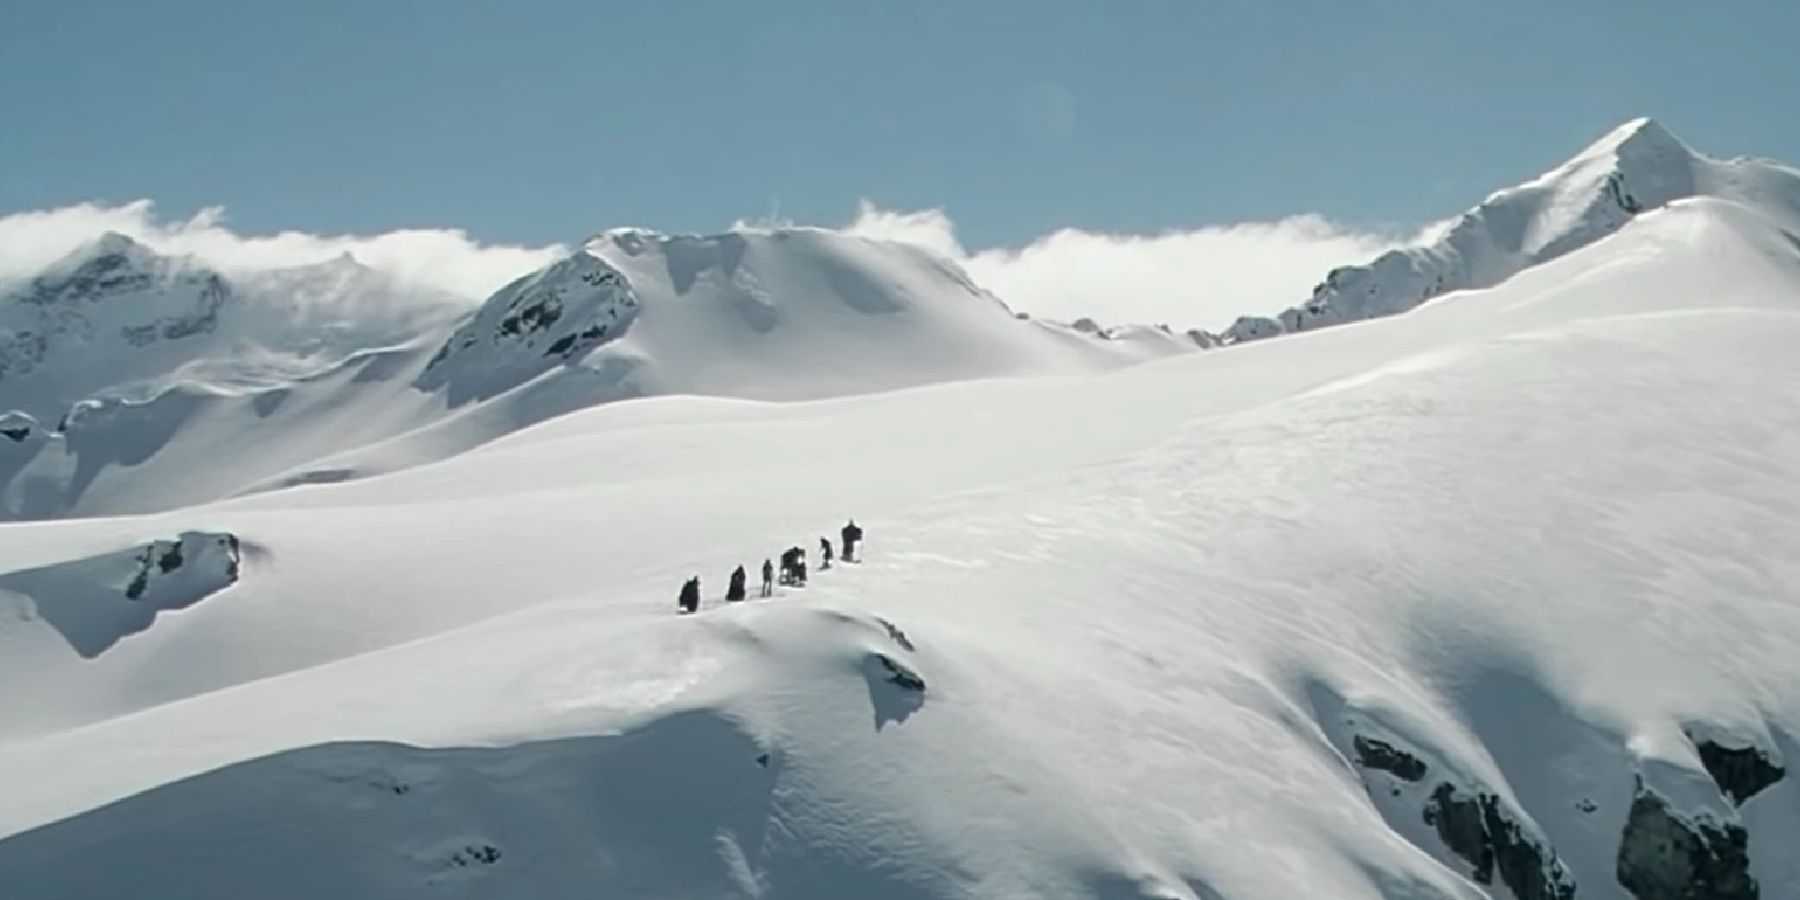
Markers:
{"x": 1663, "y": 857}
{"x": 170, "y": 559}
{"x": 901, "y": 675}
{"x": 1479, "y": 831}
{"x": 140, "y": 581}
{"x": 533, "y": 317}
{"x": 1378, "y": 754}
{"x": 476, "y": 854}
{"x": 165, "y": 557}
{"x": 1740, "y": 772}
{"x": 894, "y": 632}
{"x": 16, "y": 435}
{"x": 1460, "y": 826}
{"x": 1615, "y": 188}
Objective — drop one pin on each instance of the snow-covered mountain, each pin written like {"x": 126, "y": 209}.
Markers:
{"x": 145, "y": 382}
{"x": 1636, "y": 168}
{"x": 117, "y": 318}
{"x": 1492, "y": 599}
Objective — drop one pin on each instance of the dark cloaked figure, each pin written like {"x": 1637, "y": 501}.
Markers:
{"x": 768, "y": 578}
{"x": 824, "y": 554}
{"x": 851, "y": 534}
{"x": 736, "y": 591}
{"x": 793, "y": 566}
{"x": 690, "y": 595}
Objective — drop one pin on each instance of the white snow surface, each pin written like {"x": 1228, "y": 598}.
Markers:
{"x": 1636, "y": 167}
{"x": 788, "y": 315}
{"x": 1537, "y": 534}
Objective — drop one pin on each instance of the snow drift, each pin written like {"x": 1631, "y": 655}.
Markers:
{"x": 1492, "y": 599}
{"x": 171, "y": 384}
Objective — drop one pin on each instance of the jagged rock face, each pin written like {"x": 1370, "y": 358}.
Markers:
{"x": 551, "y": 316}
{"x": 217, "y": 556}
{"x": 1664, "y": 857}
{"x": 1378, "y": 754}
{"x": 1478, "y": 830}
{"x": 112, "y": 289}
{"x": 1740, "y": 772}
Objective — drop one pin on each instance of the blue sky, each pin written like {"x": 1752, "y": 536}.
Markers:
{"x": 535, "y": 122}
{"x": 1206, "y": 159}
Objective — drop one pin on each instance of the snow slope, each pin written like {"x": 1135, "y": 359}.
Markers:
{"x": 780, "y": 315}
{"x": 1453, "y": 604}
{"x": 1637, "y": 167}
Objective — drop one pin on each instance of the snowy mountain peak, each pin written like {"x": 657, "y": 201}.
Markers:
{"x": 1640, "y": 136}
{"x": 110, "y": 264}
{"x": 537, "y": 322}
{"x": 1635, "y": 168}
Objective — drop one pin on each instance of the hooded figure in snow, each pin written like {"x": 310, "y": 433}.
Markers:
{"x": 793, "y": 567}
{"x": 768, "y": 589}
{"x": 851, "y": 534}
{"x": 736, "y": 591}
{"x": 690, "y": 595}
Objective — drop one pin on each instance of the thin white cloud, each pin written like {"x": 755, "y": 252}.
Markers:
{"x": 1203, "y": 278}
{"x": 441, "y": 258}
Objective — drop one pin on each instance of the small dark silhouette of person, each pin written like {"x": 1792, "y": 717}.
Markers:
{"x": 851, "y": 534}
{"x": 735, "y": 592}
{"x": 768, "y": 578}
{"x": 824, "y": 554}
{"x": 793, "y": 567}
{"x": 690, "y": 595}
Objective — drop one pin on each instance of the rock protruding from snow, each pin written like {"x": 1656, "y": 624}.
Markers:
{"x": 1374, "y": 753}
{"x": 556, "y": 314}
{"x": 95, "y": 602}
{"x": 1740, "y": 772}
{"x": 1638, "y": 167}
{"x": 17, "y": 426}
{"x": 112, "y": 291}
{"x": 1664, "y": 855}
{"x": 1480, "y": 831}
{"x": 185, "y": 569}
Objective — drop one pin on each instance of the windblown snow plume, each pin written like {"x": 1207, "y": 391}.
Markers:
{"x": 440, "y": 259}
{"x": 1182, "y": 278}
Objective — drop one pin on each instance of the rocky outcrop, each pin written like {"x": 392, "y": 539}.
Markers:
{"x": 1637, "y": 167}
{"x": 1664, "y": 855}
{"x": 120, "y": 276}
{"x": 1250, "y": 328}
{"x": 1372, "y": 753}
{"x": 1740, "y": 772}
{"x": 556, "y": 314}
{"x": 1476, "y": 828}
{"x": 216, "y": 557}
{"x": 16, "y": 426}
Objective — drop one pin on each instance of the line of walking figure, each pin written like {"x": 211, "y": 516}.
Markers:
{"x": 793, "y": 570}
